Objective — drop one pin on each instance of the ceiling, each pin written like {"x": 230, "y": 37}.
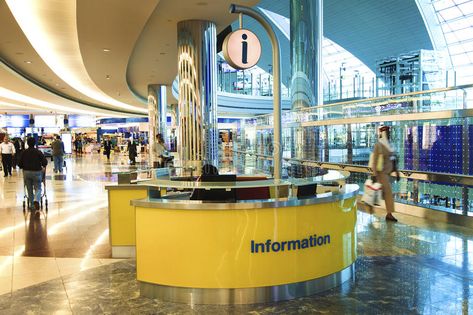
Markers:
{"x": 109, "y": 48}
{"x": 370, "y": 30}
{"x": 115, "y": 48}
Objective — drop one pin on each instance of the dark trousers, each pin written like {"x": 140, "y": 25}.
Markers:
{"x": 107, "y": 153}
{"x": 6, "y": 161}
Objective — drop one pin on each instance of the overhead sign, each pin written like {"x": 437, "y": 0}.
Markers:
{"x": 14, "y": 121}
{"x": 242, "y": 49}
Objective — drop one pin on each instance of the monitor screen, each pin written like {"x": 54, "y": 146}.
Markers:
{"x": 218, "y": 178}
{"x": 216, "y": 194}
{"x": 306, "y": 191}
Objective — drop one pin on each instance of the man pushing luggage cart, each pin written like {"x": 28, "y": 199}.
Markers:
{"x": 33, "y": 163}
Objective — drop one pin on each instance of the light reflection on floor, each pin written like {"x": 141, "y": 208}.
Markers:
{"x": 414, "y": 266}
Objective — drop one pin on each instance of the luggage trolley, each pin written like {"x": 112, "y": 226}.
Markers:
{"x": 44, "y": 195}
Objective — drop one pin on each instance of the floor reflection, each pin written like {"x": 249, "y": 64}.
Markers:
{"x": 36, "y": 237}
{"x": 415, "y": 266}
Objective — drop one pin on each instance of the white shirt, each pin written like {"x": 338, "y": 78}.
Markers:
{"x": 161, "y": 149}
{"x": 7, "y": 148}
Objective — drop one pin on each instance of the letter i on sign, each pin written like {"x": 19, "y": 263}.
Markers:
{"x": 244, "y": 47}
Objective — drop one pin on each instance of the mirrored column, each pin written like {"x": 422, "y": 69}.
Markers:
{"x": 197, "y": 69}
{"x": 306, "y": 27}
{"x": 156, "y": 117}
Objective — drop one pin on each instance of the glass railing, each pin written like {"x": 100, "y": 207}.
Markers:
{"x": 248, "y": 83}
{"x": 454, "y": 98}
{"x": 432, "y": 133}
{"x": 346, "y": 87}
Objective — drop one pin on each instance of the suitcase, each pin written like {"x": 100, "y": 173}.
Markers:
{"x": 372, "y": 193}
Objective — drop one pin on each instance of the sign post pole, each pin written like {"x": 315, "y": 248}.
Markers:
{"x": 276, "y": 82}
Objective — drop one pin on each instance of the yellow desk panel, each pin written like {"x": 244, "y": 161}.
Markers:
{"x": 122, "y": 215}
{"x": 217, "y": 248}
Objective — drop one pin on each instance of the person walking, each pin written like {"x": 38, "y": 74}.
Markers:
{"x": 132, "y": 151}
{"x": 7, "y": 149}
{"x": 161, "y": 150}
{"x": 33, "y": 163}
{"x": 384, "y": 163}
{"x": 107, "y": 147}
{"x": 16, "y": 156}
{"x": 57, "y": 147}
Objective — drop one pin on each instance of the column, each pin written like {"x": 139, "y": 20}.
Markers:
{"x": 197, "y": 70}
{"x": 156, "y": 117}
{"x": 306, "y": 27}
{"x": 174, "y": 111}
{"x": 306, "y": 65}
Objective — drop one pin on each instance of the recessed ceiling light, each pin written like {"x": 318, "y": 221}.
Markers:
{"x": 27, "y": 61}
{"x": 163, "y": 53}
{"x": 201, "y": 3}
{"x": 57, "y": 84}
{"x": 45, "y": 34}
{"x": 107, "y": 77}
{"x": 106, "y": 50}
{"x": 19, "y": 53}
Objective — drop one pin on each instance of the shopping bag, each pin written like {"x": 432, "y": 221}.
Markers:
{"x": 372, "y": 193}
{"x": 138, "y": 159}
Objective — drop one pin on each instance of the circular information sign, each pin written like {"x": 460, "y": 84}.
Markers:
{"x": 242, "y": 49}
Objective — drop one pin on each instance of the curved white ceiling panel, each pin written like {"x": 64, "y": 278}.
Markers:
{"x": 24, "y": 99}
{"x": 51, "y": 28}
{"x": 107, "y": 32}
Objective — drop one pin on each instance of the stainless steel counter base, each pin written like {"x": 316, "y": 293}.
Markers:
{"x": 246, "y": 295}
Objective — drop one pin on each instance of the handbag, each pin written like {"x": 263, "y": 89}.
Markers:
{"x": 371, "y": 193}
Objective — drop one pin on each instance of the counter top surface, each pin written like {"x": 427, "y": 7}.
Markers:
{"x": 331, "y": 176}
{"x": 348, "y": 191}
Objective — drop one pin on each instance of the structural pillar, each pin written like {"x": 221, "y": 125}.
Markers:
{"x": 197, "y": 70}
{"x": 306, "y": 27}
{"x": 156, "y": 117}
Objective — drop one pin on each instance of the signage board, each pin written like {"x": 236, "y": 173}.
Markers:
{"x": 49, "y": 121}
{"x": 14, "y": 121}
{"x": 242, "y": 49}
{"x": 78, "y": 121}
{"x": 67, "y": 140}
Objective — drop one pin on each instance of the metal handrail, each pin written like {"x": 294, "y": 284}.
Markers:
{"x": 458, "y": 179}
{"x": 374, "y": 99}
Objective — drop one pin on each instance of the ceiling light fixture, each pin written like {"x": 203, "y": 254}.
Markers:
{"x": 27, "y": 61}
{"x": 106, "y": 50}
{"x": 57, "y": 43}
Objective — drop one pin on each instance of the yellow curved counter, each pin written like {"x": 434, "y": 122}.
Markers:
{"x": 245, "y": 252}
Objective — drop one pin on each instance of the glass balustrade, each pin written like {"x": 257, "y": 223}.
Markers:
{"x": 432, "y": 133}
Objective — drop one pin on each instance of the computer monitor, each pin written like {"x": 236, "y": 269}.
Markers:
{"x": 306, "y": 191}
{"x": 215, "y": 194}
{"x": 218, "y": 178}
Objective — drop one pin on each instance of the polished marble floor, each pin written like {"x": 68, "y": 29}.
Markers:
{"x": 61, "y": 263}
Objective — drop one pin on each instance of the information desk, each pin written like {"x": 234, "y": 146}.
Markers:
{"x": 245, "y": 251}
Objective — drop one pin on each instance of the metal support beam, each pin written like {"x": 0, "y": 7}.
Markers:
{"x": 276, "y": 82}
